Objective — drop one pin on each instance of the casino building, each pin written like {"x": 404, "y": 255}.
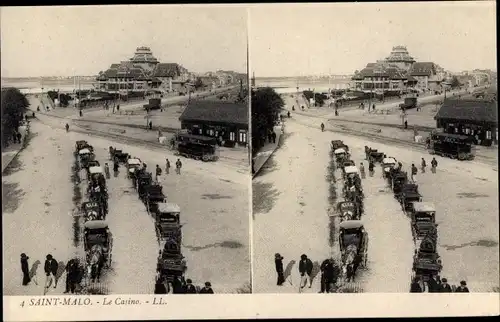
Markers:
{"x": 398, "y": 72}
{"x": 141, "y": 73}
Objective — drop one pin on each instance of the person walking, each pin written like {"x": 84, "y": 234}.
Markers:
{"x": 81, "y": 113}
{"x": 371, "y": 167}
{"x": 327, "y": 273}
{"x": 178, "y": 166}
{"x": 362, "y": 170}
{"x": 71, "y": 276}
{"x": 189, "y": 287}
{"x": 423, "y": 165}
{"x": 445, "y": 287}
{"x": 160, "y": 287}
{"x": 415, "y": 286}
{"x": 158, "y": 173}
{"x": 305, "y": 270}
{"x": 414, "y": 172}
{"x": 273, "y": 136}
{"x": 167, "y": 166}
{"x": 462, "y": 288}
{"x": 278, "y": 261}
{"x": 150, "y": 125}
{"x": 434, "y": 165}
{"x": 25, "y": 269}
{"x": 406, "y": 124}
{"x": 207, "y": 289}
{"x": 50, "y": 269}
{"x": 322, "y": 127}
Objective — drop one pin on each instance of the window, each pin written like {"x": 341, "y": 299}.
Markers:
{"x": 232, "y": 136}
{"x": 488, "y": 135}
{"x": 242, "y": 136}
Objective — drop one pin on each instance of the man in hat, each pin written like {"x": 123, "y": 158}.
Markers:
{"x": 189, "y": 287}
{"x": 50, "y": 269}
{"x": 25, "y": 269}
{"x": 415, "y": 286}
{"x": 278, "y": 261}
{"x": 445, "y": 287}
{"x": 305, "y": 269}
{"x": 462, "y": 288}
{"x": 207, "y": 289}
{"x": 72, "y": 273}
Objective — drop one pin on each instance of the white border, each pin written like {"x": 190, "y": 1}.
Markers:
{"x": 258, "y": 306}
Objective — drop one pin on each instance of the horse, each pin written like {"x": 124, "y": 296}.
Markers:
{"x": 350, "y": 263}
{"x": 347, "y": 215}
{"x": 95, "y": 263}
{"x": 92, "y": 215}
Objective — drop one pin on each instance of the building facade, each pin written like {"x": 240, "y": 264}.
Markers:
{"x": 470, "y": 117}
{"x": 218, "y": 119}
{"x": 398, "y": 72}
{"x": 140, "y": 73}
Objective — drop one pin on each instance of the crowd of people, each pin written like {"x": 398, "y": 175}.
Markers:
{"x": 438, "y": 285}
{"x": 179, "y": 285}
{"x": 330, "y": 272}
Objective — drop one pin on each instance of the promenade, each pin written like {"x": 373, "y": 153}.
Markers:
{"x": 266, "y": 152}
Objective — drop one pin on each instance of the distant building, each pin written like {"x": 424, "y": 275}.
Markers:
{"x": 140, "y": 73}
{"x": 397, "y": 72}
{"x": 228, "y": 120}
{"x": 470, "y": 117}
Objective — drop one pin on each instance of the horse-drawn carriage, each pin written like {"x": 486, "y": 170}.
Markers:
{"x": 387, "y": 165}
{"x": 373, "y": 154}
{"x": 349, "y": 210}
{"x": 335, "y": 144}
{"x": 350, "y": 171}
{"x": 85, "y": 155}
{"x": 340, "y": 154}
{"x": 92, "y": 211}
{"x": 81, "y": 144}
{"x": 142, "y": 179}
{"x": 398, "y": 180}
{"x": 171, "y": 263}
{"x": 96, "y": 174}
{"x": 98, "y": 245}
{"x": 98, "y": 193}
{"x": 118, "y": 155}
{"x": 426, "y": 260}
{"x": 353, "y": 243}
{"x": 409, "y": 194}
{"x": 133, "y": 164}
{"x": 153, "y": 195}
{"x": 423, "y": 220}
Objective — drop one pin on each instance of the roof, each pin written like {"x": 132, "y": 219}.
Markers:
{"x": 339, "y": 150}
{"x": 134, "y": 161}
{"x": 468, "y": 110}
{"x": 422, "y": 69}
{"x": 389, "y": 160}
{"x": 216, "y": 111}
{"x": 423, "y": 207}
{"x": 351, "y": 169}
{"x": 351, "y": 224}
{"x": 166, "y": 70}
{"x": 93, "y": 170}
{"x": 168, "y": 207}
{"x": 96, "y": 224}
{"x": 84, "y": 151}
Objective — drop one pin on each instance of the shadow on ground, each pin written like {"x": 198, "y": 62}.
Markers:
{"x": 14, "y": 166}
{"x": 11, "y": 196}
{"x": 225, "y": 244}
{"x": 264, "y": 196}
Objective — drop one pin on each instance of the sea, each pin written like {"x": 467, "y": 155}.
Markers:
{"x": 35, "y": 85}
{"x": 284, "y": 85}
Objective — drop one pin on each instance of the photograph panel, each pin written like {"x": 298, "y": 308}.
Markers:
{"x": 125, "y": 163}
{"x": 374, "y": 147}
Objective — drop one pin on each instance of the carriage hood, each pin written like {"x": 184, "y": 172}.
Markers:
{"x": 339, "y": 151}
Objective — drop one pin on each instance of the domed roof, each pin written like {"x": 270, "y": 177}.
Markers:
{"x": 400, "y": 54}
{"x": 143, "y": 55}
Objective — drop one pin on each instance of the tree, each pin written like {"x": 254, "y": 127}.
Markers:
{"x": 454, "y": 82}
{"x": 14, "y": 105}
{"x": 266, "y": 107}
{"x": 198, "y": 83}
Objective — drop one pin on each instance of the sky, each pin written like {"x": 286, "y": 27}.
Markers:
{"x": 67, "y": 41}
{"x": 314, "y": 39}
